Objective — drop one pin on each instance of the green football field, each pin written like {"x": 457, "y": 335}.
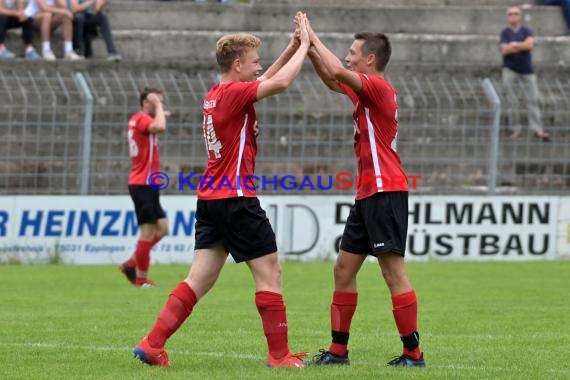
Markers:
{"x": 477, "y": 320}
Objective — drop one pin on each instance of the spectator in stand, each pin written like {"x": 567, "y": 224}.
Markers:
{"x": 88, "y": 20}
{"x": 12, "y": 16}
{"x": 516, "y": 43}
{"x": 48, "y": 15}
{"x": 565, "y": 10}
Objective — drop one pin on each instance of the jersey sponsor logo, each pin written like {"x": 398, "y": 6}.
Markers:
{"x": 209, "y": 104}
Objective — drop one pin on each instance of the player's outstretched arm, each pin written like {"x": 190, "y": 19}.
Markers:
{"x": 322, "y": 71}
{"x": 159, "y": 123}
{"x": 285, "y": 76}
{"x": 332, "y": 64}
{"x": 284, "y": 57}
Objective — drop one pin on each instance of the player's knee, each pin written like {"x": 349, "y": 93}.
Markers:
{"x": 394, "y": 277}
{"x": 342, "y": 275}
{"x": 161, "y": 230}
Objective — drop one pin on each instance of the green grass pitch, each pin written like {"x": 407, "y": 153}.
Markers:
{"x": 477, "y": 320}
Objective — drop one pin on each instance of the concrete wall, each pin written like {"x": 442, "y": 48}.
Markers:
{"x": 476, "y": 19}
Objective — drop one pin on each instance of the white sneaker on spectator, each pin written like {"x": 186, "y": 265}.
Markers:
{"x": 32, "y": 55}
{"x": 7, "y": 54}
{"x": 114, "y": 57}
{"x": 72, "y": 56}
{"x": 48, "y": 55}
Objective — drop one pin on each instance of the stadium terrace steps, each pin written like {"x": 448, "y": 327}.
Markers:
{"x": 409, "y": 3}
{"x": 434, "y": 49}
{"x": 396, "y": 18}
{"x": 353, "y": 3}
{"x": 452, "y": 35}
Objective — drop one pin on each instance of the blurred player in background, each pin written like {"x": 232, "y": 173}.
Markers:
{"x": 378, "y": 222}
{"x": 144, "y": 128}
{"x": 229, "y": 218}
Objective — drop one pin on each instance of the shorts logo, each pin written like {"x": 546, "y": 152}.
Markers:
{"x": 377, "y": 245}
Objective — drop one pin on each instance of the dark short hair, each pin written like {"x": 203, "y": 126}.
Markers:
{"x": 377, "y": 44}
{"x": 147, "y": 91}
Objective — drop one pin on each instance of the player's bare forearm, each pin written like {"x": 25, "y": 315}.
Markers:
{"x": 284, "y": 77}
{"x": 331, "y": 63}
{"x": 281, "y": 61}
{"x": 323, "y": 73}
{"x": 334, "y": 66}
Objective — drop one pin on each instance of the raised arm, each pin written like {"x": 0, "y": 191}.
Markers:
{"x": 285, "y": 76}
{"x": 323, "y": 73}
{"x": 159, "y": 123}
{"x": 332, "y": 64}
{"x": 283, "y": 58}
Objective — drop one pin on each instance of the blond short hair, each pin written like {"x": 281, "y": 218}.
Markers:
{"x": 232, "y": 46}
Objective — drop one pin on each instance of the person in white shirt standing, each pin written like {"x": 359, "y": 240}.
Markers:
{"x": 48, "y": 15}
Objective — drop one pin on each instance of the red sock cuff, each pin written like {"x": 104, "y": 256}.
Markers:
{"x": 345, "y": 298}
{"x": 404, "y": 300}
{"x": 184, "y": 293}
{"x": 268, "y": 300}
{"x": 155, "y": 240}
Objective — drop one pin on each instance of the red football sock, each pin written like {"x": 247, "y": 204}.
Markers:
{"x": 178, "y": 307}
{"x": 343, "y": 307}
{"x": 405, "y": 309}
{"x": 131, "y": 262}
{"x": 142, "y": 255}
{"x": 155, "y": 240}
{"x": 272, "y": 311}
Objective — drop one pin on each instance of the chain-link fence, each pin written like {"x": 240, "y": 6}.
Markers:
{"x": 66, "y": 133}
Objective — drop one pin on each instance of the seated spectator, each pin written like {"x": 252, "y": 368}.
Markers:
{"x": 88, "y": 19}
{"x": 565, "y": 10}
{"x": 12, "y": 16}
{"x": 48, "y": 15}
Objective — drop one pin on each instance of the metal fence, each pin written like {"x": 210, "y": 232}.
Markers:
{"x": 64, "y": 133}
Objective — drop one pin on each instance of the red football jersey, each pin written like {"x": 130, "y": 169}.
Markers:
{"x": 143, "y": 148}
{"x": 230, "y": 130}
{"x": 375, "y": 133}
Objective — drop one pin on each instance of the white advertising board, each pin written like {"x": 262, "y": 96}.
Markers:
{"x": 102, "y": 229}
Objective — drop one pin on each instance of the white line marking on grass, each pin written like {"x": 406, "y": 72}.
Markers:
{"x": 63, "y": 346}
